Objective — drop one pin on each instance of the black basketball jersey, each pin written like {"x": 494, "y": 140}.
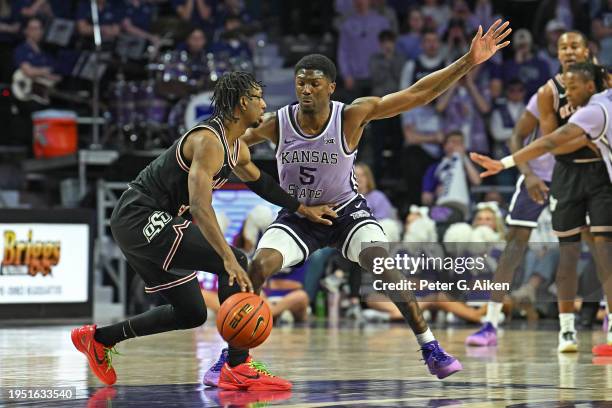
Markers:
{"x": 564, "y": 110}
{"x": 165, "y": 178}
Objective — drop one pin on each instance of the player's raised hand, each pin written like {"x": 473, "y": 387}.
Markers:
{"x": 236, "y": 273}
{"x": 317, "y": 212}
{"x": 492, "y": 166}
{"x": 485, "y": 46}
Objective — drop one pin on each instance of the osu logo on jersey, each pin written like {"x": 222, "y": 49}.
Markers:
{"x": 157, "y": 222}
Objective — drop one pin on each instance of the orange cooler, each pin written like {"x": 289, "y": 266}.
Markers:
{"x": 55, "y": 133}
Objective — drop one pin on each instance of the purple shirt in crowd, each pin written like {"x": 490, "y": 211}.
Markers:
{"x": 380, "y": 205}
{"x": 358, "y": 41}
{"x": 462, "y": 114}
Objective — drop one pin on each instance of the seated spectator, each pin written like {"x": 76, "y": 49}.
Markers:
{"x": 286, "y": 297}
{"x": 29, "y": 56}
{"x": 195, "y": 44}
{"x": 505, "y": 115}
{"x": 9, "y": 31}
{"x": 464, "y": 107}
{"x": 110, "y": 20}
{"x": 446, "y": 183}
{"x": 525, "y": 64}
{"x": 601, "y": 27}
{"x": 196, "y": 12}
{"x": 138, "y": 15}
{"x": 232, "y": 43}
{"x": 377, "y": 200}
{"x": 554, "y": 29}
{"x": 409, "y": 43}
{"x": 254, "y": 225}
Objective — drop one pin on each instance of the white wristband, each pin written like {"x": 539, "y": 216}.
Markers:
{"x": 508, "y": 162}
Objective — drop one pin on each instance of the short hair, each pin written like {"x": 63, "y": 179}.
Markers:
{"x": 451, "y": 133}
{"x": 386, "y": 35}
{"x": 319, "y": 62}
{"x": 591, "y": 72}
{"x": 585, "y": 40}
{"x": 228, "y": 91}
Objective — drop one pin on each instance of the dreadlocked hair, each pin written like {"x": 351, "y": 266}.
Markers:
{"x": 228, "y": 90}
{"x": 591, "y": 72}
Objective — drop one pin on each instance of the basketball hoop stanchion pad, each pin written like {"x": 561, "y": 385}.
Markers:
{"x": 603, "y": 350}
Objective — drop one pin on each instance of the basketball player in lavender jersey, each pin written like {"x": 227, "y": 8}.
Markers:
{"x": 317, "y": 140}
{"x": 590, "y": 124}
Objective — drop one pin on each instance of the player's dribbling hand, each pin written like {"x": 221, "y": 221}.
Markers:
{"x": 236, "y": 273}
{"x": 492, "y": 166}
{"x": 536, "y": 188}
{"x": 485, "y": 46}
{"x": 317, "y": 212}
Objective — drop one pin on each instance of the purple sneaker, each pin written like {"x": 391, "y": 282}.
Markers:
{"x": 486, "y": 336}
{"x": 440, "y": 363}
{"x": 211, "y": 378}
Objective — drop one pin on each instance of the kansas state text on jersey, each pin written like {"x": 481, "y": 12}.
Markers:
{"x": 316, "y": 169}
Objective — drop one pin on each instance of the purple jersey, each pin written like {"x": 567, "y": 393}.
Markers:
{"x": 316, "y": 169}
{"x": 543, "y": 165}
{"x": 595, "y": 119}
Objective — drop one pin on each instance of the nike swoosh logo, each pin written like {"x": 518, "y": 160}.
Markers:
{"x": 259, "y": 321}
{"x": 289, "y": 141}
{"x": 84, "y": 343}
{"x": 358, "y": 205}
{"x": 252, "y": 377}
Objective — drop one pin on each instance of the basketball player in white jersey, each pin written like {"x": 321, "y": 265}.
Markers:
{"x": 316, "y": 141}
{"x": 589, "y": 124}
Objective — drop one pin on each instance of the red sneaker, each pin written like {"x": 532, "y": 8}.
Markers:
{"x": 99, "y": 356}
{"x": 252, "y": 376}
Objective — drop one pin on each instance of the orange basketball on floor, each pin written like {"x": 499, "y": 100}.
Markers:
{"x": 244, "y": 320}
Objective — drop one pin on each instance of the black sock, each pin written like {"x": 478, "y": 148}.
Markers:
{"x": 113, "y": 334}
{"x": 236, "y": 356}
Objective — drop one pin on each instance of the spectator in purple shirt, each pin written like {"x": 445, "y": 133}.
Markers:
{"x": 377, "y": 200}
{"x": 137, "y": 20}
{"x": 463, "y": 107}
{"x": 110, "y": 20}
{"x": 357, "y": 42}
{"x": 409, "y": 43}
{"x": 531, "y": 69}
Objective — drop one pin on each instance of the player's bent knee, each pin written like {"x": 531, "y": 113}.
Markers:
{"x": 369, "y": 255}
{"x": 191, "y": 317}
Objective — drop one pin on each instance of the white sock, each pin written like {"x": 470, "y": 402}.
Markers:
{"x": 493, "y": 312}
{"x": 425, "y": 337}
{"x": 566, "y": 320}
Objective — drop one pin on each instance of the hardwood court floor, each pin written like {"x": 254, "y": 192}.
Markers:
{"x": 376, "y": 366}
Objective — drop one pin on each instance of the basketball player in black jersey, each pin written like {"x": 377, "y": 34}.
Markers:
{"x": 151, "y": 224}
{"x": 554, "y": 111}
{"x": 568, "y": 211}
{"x": 589, "y": 190}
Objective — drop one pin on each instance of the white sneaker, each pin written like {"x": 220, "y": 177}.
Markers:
{"x": 568, "y": 342}
{"x": 286, "y": 317}
{"x": 371, "y": 315}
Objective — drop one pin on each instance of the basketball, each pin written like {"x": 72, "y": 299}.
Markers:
{"x": 244, "y": 320}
